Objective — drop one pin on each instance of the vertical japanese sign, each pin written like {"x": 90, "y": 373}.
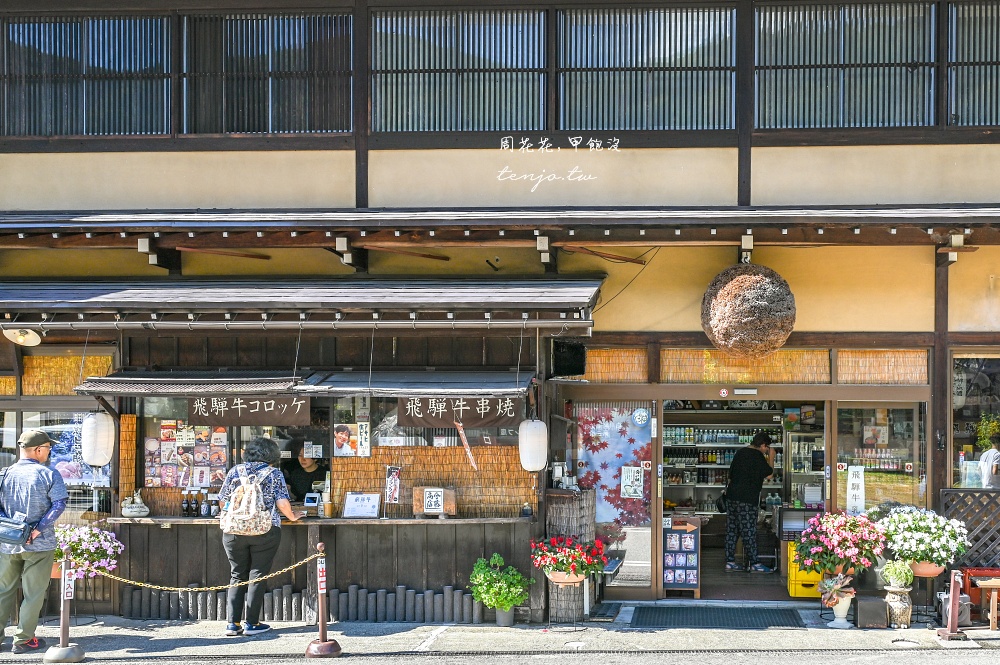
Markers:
{"x": 855, "y": 490}
{"x": 233, "y": 411}
{"x": 68, "y": 583}
{"x": 321, "y": 575}
{"x": 392, "y": 483}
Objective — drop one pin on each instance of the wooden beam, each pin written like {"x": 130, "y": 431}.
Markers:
{"x": 603, "y": 255}
{"x": 937, "y": 440}
{"x": 397, "y": 250}
{"x": 224, "y": 252}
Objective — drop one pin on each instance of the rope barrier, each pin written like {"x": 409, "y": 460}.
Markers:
{"x": 219, "y": 587}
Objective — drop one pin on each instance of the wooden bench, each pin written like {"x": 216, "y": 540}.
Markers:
{"x": 993, "y": 585}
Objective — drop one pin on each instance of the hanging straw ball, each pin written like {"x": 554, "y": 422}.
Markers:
{"x": 748, "y": 310}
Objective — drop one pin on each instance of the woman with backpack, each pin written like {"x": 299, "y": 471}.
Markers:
{"x": 252, "y": 493}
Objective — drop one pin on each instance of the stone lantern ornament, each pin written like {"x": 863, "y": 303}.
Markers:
{"x": 748, "y": 311}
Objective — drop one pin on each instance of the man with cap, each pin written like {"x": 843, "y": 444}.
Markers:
{"x": 34, "y": 493}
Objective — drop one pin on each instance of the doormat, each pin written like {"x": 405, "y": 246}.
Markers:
{"x": 605, "y": 611}
{"x": 715, "y": 617}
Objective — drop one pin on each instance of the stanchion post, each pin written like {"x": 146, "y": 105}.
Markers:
{"x": 65, "y": 652}
{"x": 951, "y": 632}
{"x": 322, "y": 648}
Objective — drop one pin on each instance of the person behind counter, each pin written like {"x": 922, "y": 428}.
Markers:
{"x": 301, "y": 474}
{"x": 250, "y": 557}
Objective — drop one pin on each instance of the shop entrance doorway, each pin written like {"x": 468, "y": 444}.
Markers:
{"x": 699, "y": 440}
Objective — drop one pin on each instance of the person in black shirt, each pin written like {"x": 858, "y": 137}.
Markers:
{"x": 300, "y": 475}
{"x": 750, "y": 466}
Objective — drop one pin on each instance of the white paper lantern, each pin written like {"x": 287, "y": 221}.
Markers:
{"x": 533, "y": 444}
{"x": 97, "y": 439}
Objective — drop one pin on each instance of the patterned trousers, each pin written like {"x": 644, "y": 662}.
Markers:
{"x": 741, "y": 522}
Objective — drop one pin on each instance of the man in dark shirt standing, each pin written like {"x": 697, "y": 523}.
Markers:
{"x": 750, "y": 466}
{"x": 35, "y": 494}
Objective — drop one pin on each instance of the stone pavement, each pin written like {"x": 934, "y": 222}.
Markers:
{"x": 114, "y": 638}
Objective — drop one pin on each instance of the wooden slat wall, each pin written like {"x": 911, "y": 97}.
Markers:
{"x": 419, "y": 556}
{"x": 499, "y": 489}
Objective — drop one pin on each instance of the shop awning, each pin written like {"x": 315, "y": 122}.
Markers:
{"x": 274, "y": 304}
{"x": 188, "y": 383}
{"x": 417, "y": 384}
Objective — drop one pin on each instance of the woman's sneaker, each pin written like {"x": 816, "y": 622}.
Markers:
{"x": 255, "y": 628}
{"x": 760, "y": 568}
{"x": 233, "y": 629}
{"x": 733, "y": 567}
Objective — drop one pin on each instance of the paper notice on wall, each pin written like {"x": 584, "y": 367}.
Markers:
{"x": 631, "y": 482}
{"x": 855, "y": 490}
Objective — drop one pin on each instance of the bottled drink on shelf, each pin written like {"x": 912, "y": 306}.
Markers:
{"x": 184, "y": 503}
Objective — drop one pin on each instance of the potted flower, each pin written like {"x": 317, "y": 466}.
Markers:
{"x": 925, "y": 539}
{"x": 837, "y": 542}
{"x": 91, "y": 550}
{"x": 897, "y": 573}
{"x": 499, "y": 588}
{"x": 567, "y": 560}
{"x": 835, "y": 593}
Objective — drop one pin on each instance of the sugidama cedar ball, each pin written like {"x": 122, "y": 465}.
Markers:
{"x": 748, "y": 311}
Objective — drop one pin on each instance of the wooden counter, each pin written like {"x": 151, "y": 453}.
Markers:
{"x": 372, "y": 553}
{"x": 320, "y": 521}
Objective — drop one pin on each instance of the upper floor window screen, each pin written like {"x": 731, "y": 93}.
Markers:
{"x": 84, "y": 76}
{"x": 647, "y": 69}
{"x": 267, "y": 74}
{"x": 481, "y": 70}
{"x": 974, "y": 64}
{"x": 828, "y": 66}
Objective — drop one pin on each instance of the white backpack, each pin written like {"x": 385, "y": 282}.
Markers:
{"x": 246, "y": 514}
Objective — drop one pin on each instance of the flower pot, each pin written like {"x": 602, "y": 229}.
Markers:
{"x": 565, "y": 579}
{"x": 505, "y": 619}
{"x": 900, "y": 607}
{"x": 840, "y": 612}
{"x": 926, "y": 569}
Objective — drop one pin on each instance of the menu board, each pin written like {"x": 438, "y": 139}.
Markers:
{"x": 186, "y": 455}
{"x": 682, "y": 554}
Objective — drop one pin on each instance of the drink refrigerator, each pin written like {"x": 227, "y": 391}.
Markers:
{"x": 805, "y": 469}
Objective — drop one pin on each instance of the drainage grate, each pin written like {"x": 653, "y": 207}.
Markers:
{"x": 605, "y": 611}
{"x": 715, "y": 617}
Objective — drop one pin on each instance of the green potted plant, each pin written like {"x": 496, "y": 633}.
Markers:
{"x": 987, "y": 427}
{"x": 897, "y": 573}
{"x": 498, "y": 587}
{"x": 835, "y": 592}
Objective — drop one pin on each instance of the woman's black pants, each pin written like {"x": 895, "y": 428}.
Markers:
{"x": 250, "y": 557}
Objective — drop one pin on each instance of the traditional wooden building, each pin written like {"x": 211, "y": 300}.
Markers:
{"x": 365, "y": 203}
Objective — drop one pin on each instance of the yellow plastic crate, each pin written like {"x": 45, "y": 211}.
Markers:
{"x": 795, "y": 574}
{"x": 803, "y": 589}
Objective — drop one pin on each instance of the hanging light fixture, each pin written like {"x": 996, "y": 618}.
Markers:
{"x": 97, "y": 439}
{"x": 533, "y": 444}
{"x": 23, "y": 337}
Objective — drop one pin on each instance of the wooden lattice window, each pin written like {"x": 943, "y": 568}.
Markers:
{"x": 714, "y": 366}
{"x": 882, "y": 367}
{"x": 980, "y": 510}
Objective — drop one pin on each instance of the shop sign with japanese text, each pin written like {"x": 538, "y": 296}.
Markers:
{"x": 232, "y": 411}
{"x": 472, "y": 412}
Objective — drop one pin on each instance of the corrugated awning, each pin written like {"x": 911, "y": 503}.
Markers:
{"x": 188, "y": 383}
{"x": 418, "y": 384}
{"x": 232, "y": 295}
{"x": 234, "y": 304}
